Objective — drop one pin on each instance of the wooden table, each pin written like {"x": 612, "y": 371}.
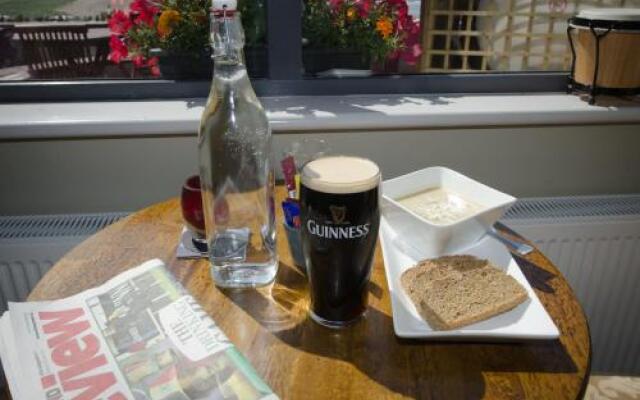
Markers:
{"x": 302, "y": 360}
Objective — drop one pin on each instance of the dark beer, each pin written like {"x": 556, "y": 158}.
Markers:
{"x": 340, "y": 218}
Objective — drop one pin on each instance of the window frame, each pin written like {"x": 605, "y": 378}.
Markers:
{"x": 285, "y": 76}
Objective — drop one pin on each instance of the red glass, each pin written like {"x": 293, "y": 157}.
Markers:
{"x": 191, "y": 202}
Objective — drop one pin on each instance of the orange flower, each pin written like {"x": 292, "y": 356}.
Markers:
{"x": 384, "y": 26}
{"x": 351, "y": 14}
{"x": 167, "y": 20}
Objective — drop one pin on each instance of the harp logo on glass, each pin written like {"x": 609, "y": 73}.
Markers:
{"x": 339, "y": 228}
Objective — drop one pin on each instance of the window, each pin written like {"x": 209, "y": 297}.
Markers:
{"x": 440, "y": 36}
{"x": 117, "y": 39}
{"x": 293, "y": 46}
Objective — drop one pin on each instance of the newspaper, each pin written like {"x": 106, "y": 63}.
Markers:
{"x": 138, "y": 336}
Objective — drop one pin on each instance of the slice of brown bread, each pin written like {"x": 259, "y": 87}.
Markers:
{"x": 454, "y": 291}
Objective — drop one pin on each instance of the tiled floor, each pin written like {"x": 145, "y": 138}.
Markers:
{"x": 613, "y": 388}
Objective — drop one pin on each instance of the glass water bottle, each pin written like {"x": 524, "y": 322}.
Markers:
{"x": 234, "y": 143}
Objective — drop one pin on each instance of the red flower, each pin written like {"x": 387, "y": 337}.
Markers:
{"x": 118, "y": 49}
{"x": 336, "y": 4}
{"x": 412, "y": 54}
{"x": 139, "y": 61}
{"x": 399, "y": 6}
{"x": 409, "y": 30}
{"x": 412, "y": 49}
{"x": 144, "y": 10}
{"x": 153, "y": 66}
{"x": 364, "y": 7}
{"x": 144, "y": 6}
{"x": 119, "y": 23}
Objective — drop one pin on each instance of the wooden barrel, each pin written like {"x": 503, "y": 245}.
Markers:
{"x": 618, "y": 61}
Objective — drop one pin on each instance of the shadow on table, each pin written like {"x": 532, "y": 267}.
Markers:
{"x": 408, "y": 367}
{"x": 538, "y": 278}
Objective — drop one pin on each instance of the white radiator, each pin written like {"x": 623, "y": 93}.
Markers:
{"x": 595, "y": 242}
{"x": 30, "y": 245}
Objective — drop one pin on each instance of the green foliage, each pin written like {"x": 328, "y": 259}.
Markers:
{"x": 142, "y": 39}
{"x": 254, "y": 21}
{"x": 189, "y": 33}
{"x": 317, "y": 22}
{"x": 344, "y": 27}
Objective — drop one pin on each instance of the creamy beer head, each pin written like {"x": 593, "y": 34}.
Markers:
{"x": 341, "y": 174}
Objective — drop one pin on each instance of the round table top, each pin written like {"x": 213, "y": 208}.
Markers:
{"x": 300, "y": 359}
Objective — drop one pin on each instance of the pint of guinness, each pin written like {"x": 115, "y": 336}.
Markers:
{"x": 340, "y": 217}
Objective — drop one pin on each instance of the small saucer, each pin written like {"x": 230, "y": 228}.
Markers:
{"x": 187, "y": 247}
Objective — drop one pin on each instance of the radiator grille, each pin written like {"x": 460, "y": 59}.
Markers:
{"x": 18, "y": 277}
{"x": 595, "y": 242}
{"x": 37, "y": 226}
{"x": 603, "y": 269}
{"x": 31, "y": 244}
{"x": 575, "y": 207}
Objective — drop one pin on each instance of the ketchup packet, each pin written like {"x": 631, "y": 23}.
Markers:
{"x": 289, "y": 171}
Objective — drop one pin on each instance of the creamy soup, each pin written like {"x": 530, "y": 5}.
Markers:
{"x": 439, "y": 206}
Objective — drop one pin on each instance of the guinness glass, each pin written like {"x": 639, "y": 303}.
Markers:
{"x": 339, "y": 199}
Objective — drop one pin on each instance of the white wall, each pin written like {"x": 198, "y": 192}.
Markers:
{"x": 122, "y": 174}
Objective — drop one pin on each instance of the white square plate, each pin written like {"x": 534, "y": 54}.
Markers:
{"x": 528, "y": 320}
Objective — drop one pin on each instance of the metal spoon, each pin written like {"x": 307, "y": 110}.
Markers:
{"x": 520, "y": 248}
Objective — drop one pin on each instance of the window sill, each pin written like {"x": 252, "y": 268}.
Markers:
{"x": 319, "y": 113}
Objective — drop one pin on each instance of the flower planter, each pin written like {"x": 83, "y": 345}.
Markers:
{"x": 321, "y": 59}
{"x": 387, "y": 67}
{"x": 200, "y": 67}
{"x": 185, "y": 66}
